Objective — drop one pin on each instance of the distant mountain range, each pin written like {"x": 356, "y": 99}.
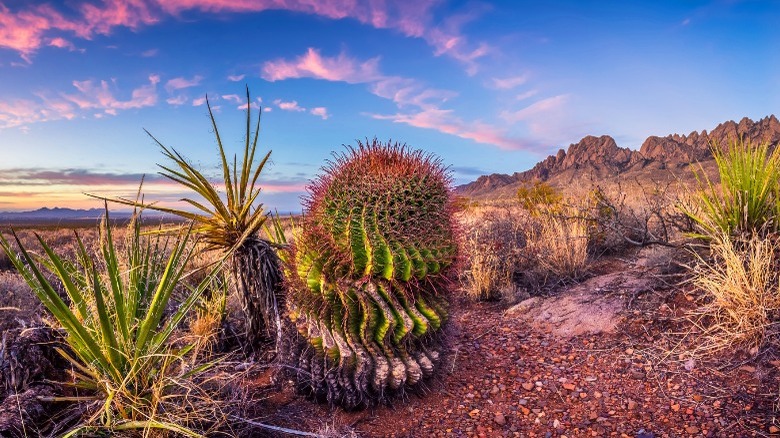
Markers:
{"x": 594, "y": 159}
{"x": 58, "y": 215}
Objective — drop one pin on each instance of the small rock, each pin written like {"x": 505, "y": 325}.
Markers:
{"x": 495, "y": 390}
{"x": 631, "y": 405}
{"x": 556, "y": 424}
{"x": 774, "y": 429}
{"x": 692, "y": 430}
{"x": 569, "y": 386}
{"x": 528, "y": 386}
{"x": 676, "y": 407}
{"x": 499, "y": 419}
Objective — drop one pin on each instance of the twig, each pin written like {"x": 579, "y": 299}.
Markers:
{"x": 483, "y": 334}
{"x": 277, "y": 428}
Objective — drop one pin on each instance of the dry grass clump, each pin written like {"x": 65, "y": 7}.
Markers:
{"x": 742, "y": 282}
{"x": 493, "y": 238}
{"x": 559, "y": 245}
{"x": 739, "y": 221}
{"x": 507, "y": 246}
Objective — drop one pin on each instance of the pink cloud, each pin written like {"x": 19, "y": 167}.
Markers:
{"x": 342, "y": 68}
{"x": 181, "y": 83}
{"x": 232, "y": 98}
{"x": 199, "y": 101}
{"x": 89, "y": 96}
{"x": 289, "y": 106}
{"x": 535, "y": 109}
{"x": 236, "y": 78}
{"x": 320, "y": 111}
{"x": 509, "y": 82}
{"x": 93, "y": 95}
{"x": 62, "y": 43}
{"x": 178, "y": 100}
{"x": 445, "y": 121}
{"x": 313, "y": 65}
{"x": 25, "y": 30}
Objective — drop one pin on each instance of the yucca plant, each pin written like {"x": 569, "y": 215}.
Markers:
{"x": 748, "y": 197}
{"x": 119, "y": 340}
{"x": 231, "y": 223}
{"x": 370, "y": 274}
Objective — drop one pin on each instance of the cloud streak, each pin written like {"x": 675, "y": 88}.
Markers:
{"x": 26, "y": 29}
{"x": 420, "y": 105}
{"x": 100, "y": 98}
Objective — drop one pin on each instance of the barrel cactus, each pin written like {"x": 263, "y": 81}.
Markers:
{"x": 369, "y": 275}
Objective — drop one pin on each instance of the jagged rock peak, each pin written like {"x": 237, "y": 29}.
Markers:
{"x": 676, "y": 149}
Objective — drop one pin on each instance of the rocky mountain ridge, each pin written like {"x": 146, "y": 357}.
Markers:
{"x": 601, "y": 157}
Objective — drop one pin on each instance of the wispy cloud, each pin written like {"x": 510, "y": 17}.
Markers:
{"x": 177, "y": 100}
{"x": 182, "y": 83}
{"x": 151, "y": 53}
{"x": 320, "y": 111}
{"x": 62, "y": 43}
{"x": 313, "y": 65}
{"x": 447, "y": 122}
{"x": 289, "y": 106}
{"x": 421, "y": 105}
{"x": 236, "y": 78}
{"x": 88, "y": 97}
{"x": 234, "y": 98}
{"x": 29, "y": 188}
{"x": 343, "y": 68}
{"x": 101, "y": 96}
{"x": 509, "y": 82}
{"x": 27, "y": 28}
{"x": 536, "y": 109}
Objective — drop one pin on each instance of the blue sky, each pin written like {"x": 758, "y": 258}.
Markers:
{"x": 489, "y": 86}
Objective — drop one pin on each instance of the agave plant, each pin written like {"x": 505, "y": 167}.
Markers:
{"x": 231, "y": 222}
{"x": 115, "y": 328}
{"x": 370, "y": 273}
{"x": 747, "y": 200}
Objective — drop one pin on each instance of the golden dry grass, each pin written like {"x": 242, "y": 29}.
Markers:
{"x": 502, "y": 242}
{"x": 740, "y": 281}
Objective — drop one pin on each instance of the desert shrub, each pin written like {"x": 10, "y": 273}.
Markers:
{"x": 628, "y": 216}
{"x": 119, "y": 342}
{"x": 746, "y": 200}
{"x": 231, "y": 223}
{"x": 506, "y": 248}
{"x": 370, "y": 275}
{"x": 539, "y": 197}
{"x": 492, "y": 241}
{"x": 558, "y": 244}
{"x": 739, "y": 275}
{"x": 741, "y": 280}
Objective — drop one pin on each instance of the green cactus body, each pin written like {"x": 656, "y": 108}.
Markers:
{"x": 371, "y": 270}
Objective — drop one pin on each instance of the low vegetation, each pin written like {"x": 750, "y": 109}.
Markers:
{"x": 232, "y": 224}
{"x": 739, "y": 275}
{"x": 126, "y": 370}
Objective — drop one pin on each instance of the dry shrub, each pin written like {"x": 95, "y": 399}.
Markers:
{"x": 507, "y": 246}
{"x": 741, "y": 283}
{"x": 558, "y": 244}
{"x": 206, "y": 324}
{"x": 493, "y": 239}
{"x": 631, "y": 214}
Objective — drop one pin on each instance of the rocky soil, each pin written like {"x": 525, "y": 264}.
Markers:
{"x": 544, "y": 369}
